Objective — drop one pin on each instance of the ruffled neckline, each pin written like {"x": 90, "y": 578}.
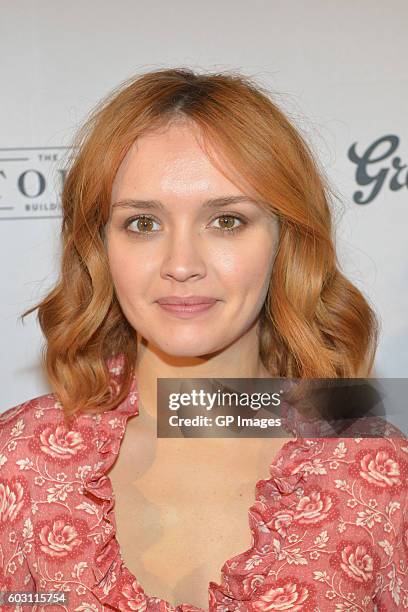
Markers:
{"x": 116, "y": 587}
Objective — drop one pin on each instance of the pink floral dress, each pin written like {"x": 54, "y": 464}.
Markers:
{"x": 329, "y": 525}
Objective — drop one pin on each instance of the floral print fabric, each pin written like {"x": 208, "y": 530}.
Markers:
{"x": 329, "y": 525}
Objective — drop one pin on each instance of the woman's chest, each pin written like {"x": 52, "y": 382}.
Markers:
{"x": 184, "y": 512}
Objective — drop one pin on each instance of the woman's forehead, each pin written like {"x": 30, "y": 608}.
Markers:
{"x": 172, "y": 162}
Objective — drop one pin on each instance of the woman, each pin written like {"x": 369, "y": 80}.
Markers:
{"x": 197, "y": 186}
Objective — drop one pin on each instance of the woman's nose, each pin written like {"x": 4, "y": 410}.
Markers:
{"x": 184, "y": 255}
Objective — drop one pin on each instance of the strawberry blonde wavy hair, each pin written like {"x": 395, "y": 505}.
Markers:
{"x": 314, "y": 323}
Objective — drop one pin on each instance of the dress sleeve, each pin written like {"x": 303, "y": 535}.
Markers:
{"x": 340, "y": 536}
{"x": 15, "y": 522}
{"x": 363, "y": 563}
{"x": 391, "y": 534}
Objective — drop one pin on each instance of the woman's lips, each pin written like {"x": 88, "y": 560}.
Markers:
{"x": 186, "y": 311}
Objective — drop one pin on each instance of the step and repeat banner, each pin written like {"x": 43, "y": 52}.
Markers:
{"x": 337, "y": 69}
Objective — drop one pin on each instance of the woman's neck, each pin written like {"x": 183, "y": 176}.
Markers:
{"x": 239, "y": 361}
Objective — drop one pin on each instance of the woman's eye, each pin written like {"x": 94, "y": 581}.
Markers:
{"x": 144, "y": 224}
{"x": 228, "y": 223}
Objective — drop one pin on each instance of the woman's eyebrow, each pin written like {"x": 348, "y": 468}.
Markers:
{"x": 211, "y": 203}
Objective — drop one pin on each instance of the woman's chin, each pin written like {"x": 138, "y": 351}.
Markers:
{"x": 196, "y": 352}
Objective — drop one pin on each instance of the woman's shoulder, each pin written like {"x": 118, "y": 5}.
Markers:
{"x": 380, "y": 440}
{"x": 20, "y": 423}
{"x": 25, "y": 421}
{"x": 378, "y": 460}
{"x": 29, "y": 412}
{"x": 35, "y": 433}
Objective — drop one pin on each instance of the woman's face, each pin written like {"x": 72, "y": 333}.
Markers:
{"x": 173, "y": 240}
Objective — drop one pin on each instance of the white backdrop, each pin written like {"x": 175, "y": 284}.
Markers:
{"x": 337, "y": 68}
